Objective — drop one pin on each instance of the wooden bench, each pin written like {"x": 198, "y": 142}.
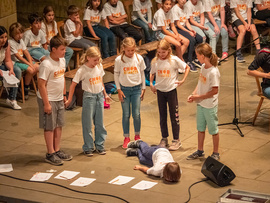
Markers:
{"x": 151, "y": 46}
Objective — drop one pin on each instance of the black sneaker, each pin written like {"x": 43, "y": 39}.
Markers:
{"x": 53, "y": 159}
{"x": 88, "y": 153}
{"x": 134, "y": 144}
{"x": 195, "y": 155}
{"x": 192, "y": 67}
{"x": 62, "y": 155}
{"x": 197, "y": 63}
{"x": 164, "y": 142}
{"x": 101, "y": 151}
{"x": 26, "y": 93}
{"x": 132, "y": 152}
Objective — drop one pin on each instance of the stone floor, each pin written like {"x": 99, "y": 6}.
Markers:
{"x": 22, "y": 144}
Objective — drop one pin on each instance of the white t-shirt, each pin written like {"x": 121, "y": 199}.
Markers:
{"x": 194, "y": 11}
{"x": 208, "y": 78}
{"x": 51, "y": 32}
{"x": 130, "y": 71}
{"x": 54, "y": 73}
{"x": 94, "y": 16}
{"x": 91, "y": 78}
{"x": 263, "y": 2}
{"x": 213, "y": 6}
{"x": 34, "y": 41}
{"x": 70, "y": 27}
{"x": 160, "y": 158}
{"x": 114, "y": 11}
{"x": 160, "y": 1}
{"x": 2, "y": 55}
{"x": 15, "y": 48}
{"x": 167, "y": 72}
{"x": 140, "y": 6}
{"x": 179, "y": 14}
{"x": 161, "y": 19}
{"x": 242, "y": 5}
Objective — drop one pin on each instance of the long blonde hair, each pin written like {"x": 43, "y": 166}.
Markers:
{"x": 46, "y": 10}
{"x": 127, "y": 42}
{"x": 91, "y": 52}
{"x": 165, "y": 45}
{"x": 206, "y": 50}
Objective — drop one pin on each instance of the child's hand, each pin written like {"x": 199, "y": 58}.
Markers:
{"x": 153, "y": 88}
{"x": 190, "y": 100}
{"x": 179, "y": 82}
{"x": 150, "y": 25}
{"x": 108, "y": 99}
{"x": 137, "y": 167}
{"x": 121, "y": 95}
{"x": 67, "y": 103}
{"x": 142, "y": 94}
{"x": 48, "y": 109}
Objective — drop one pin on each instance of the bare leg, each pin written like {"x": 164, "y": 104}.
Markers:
{"x": 49, "y": 139}
{"x": 215, "y": 142}
{"x": 57, "y": 138}
{"x": 177, "y": 46}
{"x": 201, "y": 136}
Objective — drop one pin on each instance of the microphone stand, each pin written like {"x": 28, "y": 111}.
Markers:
{"x": 235, "y": 119}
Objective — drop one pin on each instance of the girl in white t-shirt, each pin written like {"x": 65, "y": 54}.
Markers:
{"x": 92, "y": 16}
{"x": 49, "y": 27}
{"x": 164, "y": 28}
{"x": 130, "y": 82}
{"x": 165, "y": 67}
{"x": 206, "y": 97}
{"x": 262, "y": 10}
{"x": 18, "y": 51}
{"x": 91, "y": 74}
{"x": 159, "y": 2}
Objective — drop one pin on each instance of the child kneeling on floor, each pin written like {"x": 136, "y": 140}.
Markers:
{"x": 160, "y": 160}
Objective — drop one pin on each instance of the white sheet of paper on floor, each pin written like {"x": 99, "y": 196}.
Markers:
{"x": 83, "y": 181}
{"x": 66, "y": 175}
{"x": 121, "y": 180}
{"x": 144, "y": 185}
{"x": 41, "y": 176}
{"x": 5, "y": 168}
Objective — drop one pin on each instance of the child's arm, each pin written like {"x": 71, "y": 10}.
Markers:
{"x": 79, "y": 28}
{"x": 177, "y": 35}
{"x": 141, "y": 168}
{"x": 8, "y": 61}
{"x": 28, "y": 57}
{"x": 44, "y": 95}
{"x": 149, "y": 16}
{"x": 238, "y": 14}
{"x": 141, "y": 16}
{"x": 185, "y": 76}
{"x": 45, "y": 46}
{"x": 195, "y": 23}
{"x": 261, "y": 7}
{"x": 152, "y": 87}
{"x": 119, "y": 20}
{"x": 249, "y": 16}
{"x": 212, "y": 20}
{"x": 143, "y": 84}
{"x": 209, "y": 94}
{"x": 70, "y": 94}
{"x": 222, "y": 18}
{"x": 22, "y": 59}
{"x": 88, "y": 22}
{"x": 121, "y": 95}
{"x": 190, "y": 30}
{"x": 166, "y": 32}
{"x": 106, "y": 23}
{"x": 202, "y": 19}
{"x": 107, "y": 98}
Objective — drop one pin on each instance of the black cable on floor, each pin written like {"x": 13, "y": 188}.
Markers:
{"x": 192, "y": 185}
{"x": 89, "y": 193}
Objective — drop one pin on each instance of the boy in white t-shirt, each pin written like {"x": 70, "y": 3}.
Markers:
{"x": 262, "y": 10}
{"x": 142, "y": 17}
{"x": 34, "y": 38}
{"x": 74, "y": 30}
{"x": 242, "y": 19}
{"x": 117, "y": 17}
{"x": 51, "y": 97}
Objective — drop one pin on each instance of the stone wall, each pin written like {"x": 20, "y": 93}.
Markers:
{"x": 8, "y": 13}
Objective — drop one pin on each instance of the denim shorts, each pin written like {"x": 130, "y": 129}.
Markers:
{"x": 38, "y": 53}
{"x": 160, "y": 35}
{"x": 207, "y": 117}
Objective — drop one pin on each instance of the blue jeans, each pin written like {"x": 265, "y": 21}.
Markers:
{"x": 147, "y": 31}
{"x": 133, "y": 99}
{"x": 82, "y": 43}
{"x": 145, "y": 153}
{"x": 13, "y": 90}
{"x": 92, "y": 111}
{"x": 38, "y": 53}
{"x": 108, "y": 43}
{"x": 266, "y": 92}
{"x": 223, "y": 33}
{"x": 68, "y": 55}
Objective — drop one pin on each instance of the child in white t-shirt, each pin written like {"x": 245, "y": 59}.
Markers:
{"x": 117, "y": 17}
{"x": 159, "y": 2}
{"x": 215, "y": 21}
{"x": 242, "y": 19}
{"x": 91, "y": 74}
{"x": 49, "y": 28}
{"x": 130, "y": 82}
{"x": 262, "y": 10}
{"x": 142, "y": 17}
{"x": 92, "y": 16}
{"x": 206, "y": 97}
{"x": 164, "y": 28}
{"x": 34, "y": 39}
{"x": 74, "y": 30}
{"x": 159, "y": 159}
{"x": 18, "y": 51}
{"x": 165, "y": 67}
{"x": 51, "y": 97}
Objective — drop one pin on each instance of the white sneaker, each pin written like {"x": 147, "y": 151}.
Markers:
{"x": 13, "y": 104}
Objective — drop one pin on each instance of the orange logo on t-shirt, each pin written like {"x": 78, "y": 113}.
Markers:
{"x": 242, "y": 7}
{"x": 20, "y": 52}
{"x": 164, "y": 73}
{"x": 116, "y": 15}
{"x": 52, "y": 33}
{"x": 202, "y": 78}
{"x": 95, "y": 80}
{"x": 167, "y": 22}
{"x": 130, "y": 70}
{"x": 94, "y": 19}
{"x": 144, "y": 11}
{"x": 215, "y": 8}
{"x": 183, "y": 19}
{"x": 195, "y": 13}
{"x": 35, "y": 44}
{"x": 59, "y": 73}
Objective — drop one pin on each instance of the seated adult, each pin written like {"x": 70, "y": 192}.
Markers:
{"x": 262, "y": 11}
{"x": 262, "y": 60}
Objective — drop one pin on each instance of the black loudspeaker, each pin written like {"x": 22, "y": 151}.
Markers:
{"x": 217, "y": 172}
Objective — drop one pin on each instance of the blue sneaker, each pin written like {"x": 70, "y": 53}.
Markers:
{"x": 240, "y": 58}
{"x": 197, "y": 63}
{"x": 192, "y": 67}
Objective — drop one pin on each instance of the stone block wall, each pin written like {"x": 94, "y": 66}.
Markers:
{"x": 8, "y": 13}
